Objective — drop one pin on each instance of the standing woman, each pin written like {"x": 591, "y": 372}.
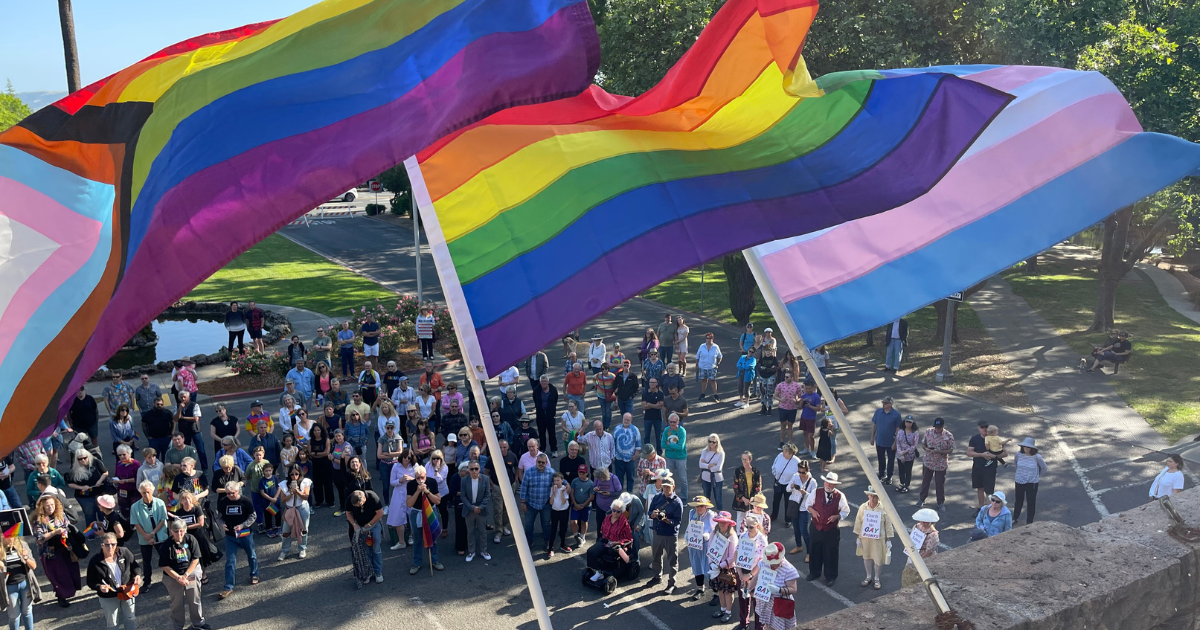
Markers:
{"x": 439, "y": 471}
{"x": 875, "y": 545}
{"x": 116, "y": 577}
{"x": 323, "y": 381}
{"x": 87, "y": 475}
{"x": 649, "y": 342}
{"x": 787, "y": 394}
{"x": 319, "y": 447}
{"x": 928, "y": 548}
{"x": 748, "y": 573}
{"x": 20, "y": 583}
{"x": 681, "y": 344}
{"x": 403, "y": 471}
{"x": 722, "y": 573}
{"x": 340, "y": 457}
{"x": 1030, "y": 468}
{"x": 357, "y": 431}
{"x": 774, "y": 613}
{"x": 703, "y": 514}
{"x": 789, "y": 362}
{"x": 746, "y": 484}
{"x": 358, "y": 478}
{"x": 908, "y": 436}
{"x": 50, "y": 529}
{"x": 121, "y": 429}
{"x": 783, "y": 469}
{"x": 712, "y": 480}
{"x": 801, "y": 485}
{"x": 235, "y": 323}
{"x": 571, "y": 423}
{"x": 126, "y": 477}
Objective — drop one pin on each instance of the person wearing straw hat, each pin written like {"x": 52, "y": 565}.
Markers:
{"x": 993, "y": 518}
{"x": 758, "y": 508}
{"x": 721, "y": 572}
{"x": 874, "y": 534}
{"x": 771, "y": 614}
{"x": 827, "y": 507}
{"x": 1029, "y": 470}
{"x": 666, "y": 512}
{"x": 699, "y": 531}
{"x": 928, "y": 547}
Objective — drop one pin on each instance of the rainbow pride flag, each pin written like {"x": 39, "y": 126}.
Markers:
{"x": 544, "y": 216}
{"x": 272, "y": 510}
{"x": 124, "y": 195}
{"x": 431, "y": 527}
{"x": 90, "y": 531}
{"x": 1067, "y": 152}
{"x": 244, "y": 533}
{"x": 15, "y": 531}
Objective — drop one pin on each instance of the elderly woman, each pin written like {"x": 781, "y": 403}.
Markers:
{"x": 180, "y": 559}
{"x": 403, "y": 471}
{"x": 747, "y": 572}
{"x": 114, "y": 572}
{"x": 440, "y": 472}
{"x": 874, "y": 543}
{"x": 993, "y": 518}
{"x": 607, "y": 488}
{"x": 41, "y": 468}
{"x": 20, "y": 582}
{"x": 930, "y": 541}
{"x": 190, "y": 512}
{"x": 87, "y": 475}
{"x": 108, "y": 519}
{"x": 712, "y": 460}
{"x": 770, "y": 614}
{"x": 746, "y": 483}
{"x": 232, "y": 447}
{"x": 698, "y": 533}
{"x": 783, "y": 468}
{"x": 226, "y": 472}
{"x": 289, "y": 411}
{"x": 613, "y": 542}
{"x": 50, "y": 530}
{"x": 148, "y": 516}
{"x": 294, "y": 493}
{"x": 721, "y": 571}
{"x": 126, "y": 474}
{"x": 758, "y": 508}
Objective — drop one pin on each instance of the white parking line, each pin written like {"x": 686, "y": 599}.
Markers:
{"x": 640, "y": 607}
{"x": 1140, "y": 482}
{"x": 1079, "y": 472}
{"x": 843, "y": 600}
{"x": 430, "y": 617}
{"x": 1120, "y": 462}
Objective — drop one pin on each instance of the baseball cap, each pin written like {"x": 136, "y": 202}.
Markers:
{"x": 257, "y": 403}
{"x": 583, "y": 468}
{"x": 938, "y": 422}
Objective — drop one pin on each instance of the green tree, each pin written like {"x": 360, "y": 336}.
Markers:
{"x": 12, "y": 109}
{"x": 395, "y": 179}
{"x": 641, "y": 39}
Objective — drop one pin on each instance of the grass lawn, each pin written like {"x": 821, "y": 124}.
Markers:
{"x": 979, "y": 368}
{"x": 278, "y": 271}
{"x": 1162, "y": 379}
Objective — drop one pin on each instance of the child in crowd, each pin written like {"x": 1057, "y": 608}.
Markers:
{"x": 995, "y": 444}
{"x": 268, "y": 494}
{"x": 305, "y": 464}
{"x": 477, "y": 433}
{"x": 583, "y": 493}
{"x": 288, "y": 451}
{"x": 560, "y": 513}
{"x": 254, "y": 475}
{"x": 825, "y": 444}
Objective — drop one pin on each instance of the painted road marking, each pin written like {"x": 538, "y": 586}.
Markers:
{"x": 1079, "y": 472}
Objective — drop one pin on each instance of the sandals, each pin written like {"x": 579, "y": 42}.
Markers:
{"x": 865, "y": 583}
{"x": 878, "y": 585}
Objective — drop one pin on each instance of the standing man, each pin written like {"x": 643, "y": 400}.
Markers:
{"x": 939, "y": 444}
{"x": 708, "y": 360}
{"x": 884, "y": 425}
{"x": 179, "y": 558}
{"x": 296, "y": 351}
{"x": 575, "y": 385}
{"x": 652, "y": 418}
{"x": 666, "y": 512}
{"x": 370, "y": 334}
{"x": 600, "y": 447}
{"x": 666, "y": 337}
{"x": 145, "y": 394}
{"x": 653, "y": 367}
{"x": 545, "y": 406}
{"x": 270, "y": 445}
{"x": 674, "y": 444}
{"x": 157, "y": 425}
{"x": 256, "y": 415}
{"x": 983, "y": 465}
{"x": 826, "y": 507}
{"x": 84, "y": 414}
{"x": 626, "y": 387}
{"x": 476, "y": 496}
{"x": 535, "y": 500}
{"x": 433, "y": 380}
{"x": 501, "y": 519}
{"x": 627, "y": 441}
{"x": 605, "y": 392}
{"x": 345, "y": 339}
{"x": 187, "y": 421}
{"x": 254, "y": 324}
{"x": 536, "y": 367}
{"x": 895, "y": 340}
{"x": 322, "y": 348}
{"x": 237, "y": 513}
{"x": 368, "y": 382}
{"x": 676, "y": 404}
{"x": 509, "y": 378}
{"x": 422, "y": 494}
{"x": 305, "y": 381}
{"x": 116, "y": 394}
{"x": 391, "y": 380}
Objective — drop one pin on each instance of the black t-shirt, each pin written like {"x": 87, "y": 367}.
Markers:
{"x": 363, "y": 514}
{"x": 225, "y": 428}
{"x": 17, "y": 570}
{"x": 391, "y": 380}
{"x": 158, "y": 424}
{"x": 334, "y": 422}
{"x": 177, "y": 556}
{"x": 569, "y": 467}
{"x": 191, "y": 410}
{"x": 1122, "y": 346}
{"x": 431, "y": 484}
{"x": 108, "y": 523}
{"x": 653, "y": 398}
{"x": 976, "y": 442}
{"x": 85, "y": 415}
{"x": 6, "y": 482}
{"x": 194, "y": 483}
{"x": 191, "y": 517}
{"x": 370, "y": 327}
{"x": 98, "y": 471}
{"x": 235, "y": 513}
{"x": 220, "y": 478}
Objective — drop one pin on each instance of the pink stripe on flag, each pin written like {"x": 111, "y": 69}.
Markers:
{"x": 1006, "y": 78}
{"x": 971, "y": 190}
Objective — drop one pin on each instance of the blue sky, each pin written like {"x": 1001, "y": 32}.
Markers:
{"x": 113, "y": 34}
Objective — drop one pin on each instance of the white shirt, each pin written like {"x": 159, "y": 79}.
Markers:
{"x": 843, "y": 507}
{"x": 707, "y": 356}
{"x": 783, "y": 468}
{"x": 402, "y": 398}
{"x": 383, "y": 420}
{"x": 896, "y": 329}
{"x": 294, "y": 500}
{"x": 710, "y": 465}
{"x": 575, "y": 422}
{"x": 596, "y": 354}
{"x": 440, "y": 475}
{"x": 474, "y": 487}
{"x": 1166, "y": 483}
{"x": 797, "y": 484}
{"x": 285, "y": 418}
{"x": 511, "y": 376}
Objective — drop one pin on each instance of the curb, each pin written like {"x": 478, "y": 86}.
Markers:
{"x": 347, "y": 266}
{"x": 440, "y": 367}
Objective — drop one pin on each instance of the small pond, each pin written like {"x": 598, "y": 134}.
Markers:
{"x": 177, "y": 337}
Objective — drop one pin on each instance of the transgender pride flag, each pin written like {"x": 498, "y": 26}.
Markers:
{"x": 1065, "y": 153}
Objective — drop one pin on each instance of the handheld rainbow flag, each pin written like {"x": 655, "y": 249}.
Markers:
{"x": 124, "y": 195}
{"x": 15, "y": 531}
{"x": 244, "y": 533}
{"x": 90, "y": 531}
{"x": 431, "y": 527}
{"x": 1067, "y": 152}
{"x": 272, "y": 510}
{"x": 544, "y": 216}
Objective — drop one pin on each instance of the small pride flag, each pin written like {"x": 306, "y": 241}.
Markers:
{"x": 15, "y": 531}
{"x": 272, "y": 510}
{"x": 90, "y": 532}
{"x": 245, "y": 533}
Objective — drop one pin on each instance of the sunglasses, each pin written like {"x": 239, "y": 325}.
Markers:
{"x": 108, "y": 544}
{"x": 712, "y": 441}
{"x": 436, "y": 459}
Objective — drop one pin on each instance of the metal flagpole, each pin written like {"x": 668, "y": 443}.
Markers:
{"x": 474, "y": 367}
{"x": 792, "y": 337}
{"x": 417, "y": 253}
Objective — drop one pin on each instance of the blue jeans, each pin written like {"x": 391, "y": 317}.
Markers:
{"x": 232, "y": 544}
{"x": 414, "y": 519}
{"x": 305, "y": 513}
{"x": 800, "y": 529}
{"x": 160, "y": 445}
{"x": 20, "y": 606}
{"x": 625, "y": 406}
{"x": 624, "y": 473}
{"x": 346, "y": 355}
{"x": 664, "y": 352}
{"x": 529, "y": 515}
{"x": 579, "y": 403}
{"x": 377, "y": 548}
{"x": 895, "y": 353}
{"x": 652, "y": 426}
{"x": 14, "y": 499}
{"x": 197, "y": 441}
{"x": 605, "y": 409}
{"x": 87, "y": 505}
{"x": 714, "y": 491}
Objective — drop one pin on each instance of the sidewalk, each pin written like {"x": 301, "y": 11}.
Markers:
{"x": 1171, "y": 289}
{"x": 1046, "y": 366}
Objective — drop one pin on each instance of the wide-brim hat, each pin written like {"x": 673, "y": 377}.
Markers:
{"x": 725, "y": 517}
{"x": 107, "y": 501}
{"x": 759, "y": 500}
{"x": 871, "y": 491}
{"x": 1027, "y": 443}
{"x": 926, "y": 515}
{"x": 1001, "y": 496}
{"x": 831, "y": 478}
{"x": 597, "y": 337}
{"x": 700, "y": 500}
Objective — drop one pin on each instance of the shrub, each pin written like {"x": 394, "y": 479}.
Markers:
{"x": 398, "y": 324}
{"x": 374, "y": 209}
{"x": 253, "y": 362}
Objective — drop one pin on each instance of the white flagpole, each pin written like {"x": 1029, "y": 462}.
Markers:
{"x": 792, "y": 337}
{"x": 464, "y": 329}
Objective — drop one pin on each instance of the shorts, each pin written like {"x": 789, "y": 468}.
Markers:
{"x": 709, "y": 373}
{"x": 581, "y": 515}
{"x": 808, "y": 425}
{"x": 371, "y": 350}
{"x": 255, "y": 334}
{"x": 984, "y": 478}
{"x": 787, "y": 416}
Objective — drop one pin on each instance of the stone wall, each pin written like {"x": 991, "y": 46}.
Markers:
{"x": 1124, "y": 572}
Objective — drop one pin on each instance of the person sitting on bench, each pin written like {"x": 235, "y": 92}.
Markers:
{"x": 1114, "y": 354}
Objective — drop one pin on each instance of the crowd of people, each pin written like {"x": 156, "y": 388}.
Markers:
{"x": 404, "y": 459}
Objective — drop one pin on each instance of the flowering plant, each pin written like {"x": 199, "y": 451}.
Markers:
{"x": 253, "y": 362}
{"x": 398, "y": 324}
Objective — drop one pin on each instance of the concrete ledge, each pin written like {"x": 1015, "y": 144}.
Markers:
{"x": 1122, "y": 573}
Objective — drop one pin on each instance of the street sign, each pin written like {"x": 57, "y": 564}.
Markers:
{"x": 955, "y": 297}
{"x": 376, "y": 186}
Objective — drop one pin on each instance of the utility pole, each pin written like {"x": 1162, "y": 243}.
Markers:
{"x": 66, "y": 18}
